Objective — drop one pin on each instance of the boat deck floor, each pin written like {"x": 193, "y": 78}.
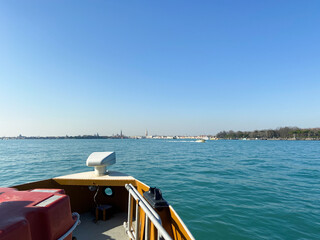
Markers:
{"x": 111, "y": 229}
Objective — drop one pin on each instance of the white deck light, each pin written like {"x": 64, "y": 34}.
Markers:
{"x": 100, "y": 161}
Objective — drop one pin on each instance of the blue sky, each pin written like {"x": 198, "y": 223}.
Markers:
{"x": 172, "y": 67}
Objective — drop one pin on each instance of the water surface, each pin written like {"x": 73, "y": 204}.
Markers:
{"x": 221, "y": 189}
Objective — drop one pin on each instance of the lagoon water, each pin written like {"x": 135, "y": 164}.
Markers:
{"x": 221, "y": 189}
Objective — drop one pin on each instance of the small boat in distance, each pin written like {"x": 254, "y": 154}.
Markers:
{"x": 200, "y": 140}
{"x": 110, "y": 205}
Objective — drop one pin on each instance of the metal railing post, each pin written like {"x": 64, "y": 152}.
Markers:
{"x": 137, "y": 230}
{"x": 151, "y": 216}
{"x": 129, "y": 213}
{"x": 146, "y": 204}
{"x": 146, "y": 237}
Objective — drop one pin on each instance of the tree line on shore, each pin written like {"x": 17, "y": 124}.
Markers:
{"x": 280, "y": 133}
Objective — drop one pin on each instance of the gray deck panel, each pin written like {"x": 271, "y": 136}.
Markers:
{"x": 111, "y": 229}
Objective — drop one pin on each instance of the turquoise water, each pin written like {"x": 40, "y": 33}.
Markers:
{"x": 221, "y": 189}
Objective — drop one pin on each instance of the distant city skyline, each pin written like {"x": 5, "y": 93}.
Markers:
{"x": 120, "y": 134}
{"x": 173, "y": 68}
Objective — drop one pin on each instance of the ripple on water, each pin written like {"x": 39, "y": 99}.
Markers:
{"x": 221, "y": 189}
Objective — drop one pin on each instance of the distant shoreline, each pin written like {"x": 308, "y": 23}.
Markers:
{"x": 157, "y": 138}
{"x": 60, "y": 137}
{"x": 283, "y": 133}
{"x": 273, "y": 139}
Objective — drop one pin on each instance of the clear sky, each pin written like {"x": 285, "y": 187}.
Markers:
{"x": 172, "y": 67}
